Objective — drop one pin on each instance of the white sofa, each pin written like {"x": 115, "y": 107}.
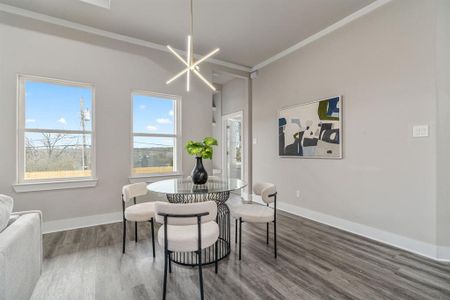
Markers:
{"x": 20, "y": 255}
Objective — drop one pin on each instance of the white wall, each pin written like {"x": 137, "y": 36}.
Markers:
{"x": 36, "y": 48}
{"x": 384, "y": 66}
{"x": 217, "y": 129}
{"x": 235, "y": 98}
{"x": 443, "y": 113}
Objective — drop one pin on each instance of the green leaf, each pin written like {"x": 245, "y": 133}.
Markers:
{"x": 210, "y": 141}
{"x": 207, "y": 152}
{"x": 201, "y": 149}
{"x": 194, "y": 148}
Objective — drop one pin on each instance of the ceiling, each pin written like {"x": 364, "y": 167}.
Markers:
{"x": 247, "y": 31}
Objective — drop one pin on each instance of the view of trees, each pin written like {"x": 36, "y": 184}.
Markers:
{"x": 55, "y": 152}
{"x": 153, "y": 157}
{"x": 65, "y": 152}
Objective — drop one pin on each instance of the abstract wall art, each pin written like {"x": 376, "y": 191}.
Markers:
{"x": 311, "y": 130}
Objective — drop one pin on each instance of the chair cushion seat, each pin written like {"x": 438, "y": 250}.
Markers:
{"x": 253, "y": 213}
{"x": 185, "y": 237}
{"x": 140, "y": 212}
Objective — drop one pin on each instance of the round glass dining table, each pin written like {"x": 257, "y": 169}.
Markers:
{"x": 217, "y": 189}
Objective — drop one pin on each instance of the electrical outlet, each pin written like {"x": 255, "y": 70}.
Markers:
{"x": 297, "y": 194}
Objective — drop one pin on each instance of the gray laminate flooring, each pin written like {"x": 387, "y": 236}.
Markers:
{"x": 315, "y": 261}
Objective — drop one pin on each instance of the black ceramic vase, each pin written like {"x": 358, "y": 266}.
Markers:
{"x": 199, "y": 174}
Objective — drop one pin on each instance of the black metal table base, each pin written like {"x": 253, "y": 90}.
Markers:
{"x": 223, "y": 220}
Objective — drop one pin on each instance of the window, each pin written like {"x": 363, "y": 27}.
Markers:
{"x": 56, "y": 128}
{"x": 156, "y": 134}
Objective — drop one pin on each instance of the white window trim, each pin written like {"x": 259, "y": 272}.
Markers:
{"x": 178, "y": 137}
{"x": 54, "y": 185}
{"x": 23, "y": 185}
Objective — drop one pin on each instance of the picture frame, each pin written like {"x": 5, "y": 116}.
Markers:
{"x": 311, "y": 130}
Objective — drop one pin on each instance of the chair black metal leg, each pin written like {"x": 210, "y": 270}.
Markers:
{"x": 236, "y": 232}
{"x": 170, "y": 262}
{"x": 202, "y": 296}
{"x": 216, "y": 252}
{"x": 267, "y": 240}
{"x": 165, "y": 274}
{"x": 135, "y": 232}
{"x": 275, "y": 236}
{"x": 166, "y": 257}
{"x": 199, "y": 256}
{"x": 153, "y": 236}
{"x": 240, "y": 237}
{"x": 275, "y": 224}
{"x": 124, "y": 235}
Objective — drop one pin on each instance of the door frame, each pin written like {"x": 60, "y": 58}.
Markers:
{"x": 238, "y": 114}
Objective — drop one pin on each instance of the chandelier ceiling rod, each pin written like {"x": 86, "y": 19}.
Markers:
{"x": 190, "y": 43}
{"x": 190, "y": 64}
{"x": 191, "y": 21}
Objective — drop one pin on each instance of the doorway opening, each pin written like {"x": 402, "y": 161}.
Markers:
{"x": 233, "y": 145}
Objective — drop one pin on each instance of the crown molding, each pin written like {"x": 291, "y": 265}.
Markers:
{"x": 135, "y": 41}
{"x": 115, "y": 36}
{"x": 350, "y": 18}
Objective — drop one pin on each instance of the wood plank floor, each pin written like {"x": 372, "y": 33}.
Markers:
{"x": 315, "y": 261}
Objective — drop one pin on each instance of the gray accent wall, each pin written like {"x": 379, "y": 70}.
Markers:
{"x": 384, "y": 66}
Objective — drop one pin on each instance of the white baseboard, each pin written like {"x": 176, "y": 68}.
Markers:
{"x": 443, "y": 253}
{"x": 81, "y": 222}
{"x": 431, "y": 251}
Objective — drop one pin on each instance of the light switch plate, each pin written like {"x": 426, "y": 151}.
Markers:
{"x": 420, "y": 131}
{"x": 255, "y": 141}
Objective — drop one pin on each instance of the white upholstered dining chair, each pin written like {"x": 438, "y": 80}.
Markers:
{"x": 257, "y": 213}
{"x": 187, "y": 228}
{"x": 138, "y": 212}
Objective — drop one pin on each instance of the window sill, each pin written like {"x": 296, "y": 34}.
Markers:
{"x": 54, "y": 185}
{"x": 153, "y": 177}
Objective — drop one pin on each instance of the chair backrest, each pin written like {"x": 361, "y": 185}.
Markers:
{"x": 134, "y": 190}
{"x": 209, "y": 207}
{"x": 265, "y": 189}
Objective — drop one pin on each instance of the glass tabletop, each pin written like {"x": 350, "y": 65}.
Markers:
{"x": 186, "y": 186}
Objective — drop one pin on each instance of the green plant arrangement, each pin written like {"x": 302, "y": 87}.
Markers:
{"x": 202, "y": 149}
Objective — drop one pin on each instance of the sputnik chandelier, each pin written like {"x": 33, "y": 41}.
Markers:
{"x": 190, "y": 63}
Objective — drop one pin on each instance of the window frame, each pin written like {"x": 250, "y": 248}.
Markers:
{"x": 59, "y": 182}
{"x": 178, "y": 166}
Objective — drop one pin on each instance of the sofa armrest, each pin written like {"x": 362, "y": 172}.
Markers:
{"x": 21, "y": 256}
{"x": 41, "y": 228}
